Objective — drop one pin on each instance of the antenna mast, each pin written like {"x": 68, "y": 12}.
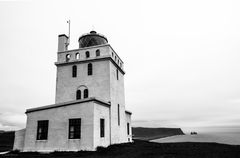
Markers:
{"x": 68, "y": 32}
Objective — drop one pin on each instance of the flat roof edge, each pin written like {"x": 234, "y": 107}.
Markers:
{"x": 68, "y": 104}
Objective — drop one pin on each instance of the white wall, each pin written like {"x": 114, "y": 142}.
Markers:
{"x": 19, "y": 140}
{"x": 101, "y": 112}
{"x": 58, "y": 128}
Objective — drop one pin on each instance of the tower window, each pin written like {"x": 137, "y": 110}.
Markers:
{"x": 102, "y": 129}
{"x": 77, "y": 56}
{"x": 115, "y": 58}
{"x": 74, "y": 71}
{"x": 74, "y": 129}
{"x": 85, "y": 93}
{"x": 117, "y": 73}
{"x": 97, "y": 52}
{"x": 68, "y": 56}
{"x": 128, "y": 128}
{"x": 118, "y": 115}
{"x": 42, "y": 130}
{"x": 87, "y": 54}
{"x": 90, "y": 69}
{"x": 112, "y": 54}
{"x": 78, "y": 94}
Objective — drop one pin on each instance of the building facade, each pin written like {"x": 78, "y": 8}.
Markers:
{"x": 89, "y": 109}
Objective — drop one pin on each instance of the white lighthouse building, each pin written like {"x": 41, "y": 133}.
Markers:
{"x": 89, "y": 109}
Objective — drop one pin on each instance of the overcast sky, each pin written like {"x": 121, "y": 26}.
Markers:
{"x": 182, "y": 58}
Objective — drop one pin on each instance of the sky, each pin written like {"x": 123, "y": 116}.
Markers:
{"x": 181, "y": 57}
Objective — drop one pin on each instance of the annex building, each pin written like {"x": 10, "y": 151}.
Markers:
{"x": 89, "y": 109}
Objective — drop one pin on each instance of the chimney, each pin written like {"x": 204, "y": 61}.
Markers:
{"x": 62, "y": 43}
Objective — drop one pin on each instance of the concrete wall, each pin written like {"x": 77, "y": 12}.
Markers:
{"x": 19, "y": 140}
{"x": 101, "y": 112}
{"x": 58, "y": 128}
{"x": 98, "y": 83}
{"x": 129, "y": 120}
{"x": 118, "y": 132}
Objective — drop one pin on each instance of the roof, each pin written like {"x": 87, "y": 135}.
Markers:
{"x": 129, "y": 112}
{"x": 92, "y": 39}
{"x": 68, "y": 104}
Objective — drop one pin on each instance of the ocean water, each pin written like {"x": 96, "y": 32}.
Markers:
{"x": 218, "y": 137}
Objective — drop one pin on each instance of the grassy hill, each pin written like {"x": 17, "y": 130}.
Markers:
{"x": 6, "y": 141}
{"x": 7, "y": 138}
{"x": 145, "y": 149}
{"x": 154, "y": 133}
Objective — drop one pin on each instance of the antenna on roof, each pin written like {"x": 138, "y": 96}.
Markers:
{"x": 68, "y": 42}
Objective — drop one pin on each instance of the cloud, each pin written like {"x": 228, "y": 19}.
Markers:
{"x": 11, "y": 121}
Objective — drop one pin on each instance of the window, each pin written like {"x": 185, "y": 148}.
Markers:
{"x": 78, "y": 94}
{"x": 42, "y": 130}
{"x": 97, "y": 52}
{"x": 68, "y": 56}
{"x": 118, "y": 115}
{"x": 89, "y": 69}
{"x": 117, "y": 73}
{"x": 74, "y": 128}
{"x": 102, "y": 132}
{"x": 87, "y": 54}
{"x": 77, "y": 56}
{"x": 74, "y": 71}
{"x": 115, "y": 58}
{"x": 128, "y": 128}
{"x": 121, "y": 65}
{"x": 112, "y": 54}
{"x": 85, "y": 95}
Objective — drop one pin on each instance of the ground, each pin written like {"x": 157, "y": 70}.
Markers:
{"x": 145, "y": 149}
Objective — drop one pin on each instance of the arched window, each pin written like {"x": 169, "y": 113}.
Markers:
{"x": 89, "y": 69}
{"x": 77, "y": 56}
{"x": 97, "y": 52}
{"x": 78, "y": 94}
{"x": 74, "y": 71}
{"x": 112, "y": 54}
{"x": 68, "y": 56}
{"x": 85, "y": 93}
{"x": 87, "y": 54}
{"x": 115, "y": 58}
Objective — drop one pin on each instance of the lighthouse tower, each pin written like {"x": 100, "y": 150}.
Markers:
{"x": 89, "y": 109}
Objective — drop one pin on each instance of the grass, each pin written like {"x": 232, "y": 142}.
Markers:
{"x": 145, "y": 149}
{"x": 144, "y": 133}
{"x": 6, "y": 141}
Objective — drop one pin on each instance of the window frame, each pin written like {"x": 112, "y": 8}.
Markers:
{"x": 128, "y": 128}
{"x": 87, "y": 53}
{"x": 117, "y": 74}
{"x": 68, "y": 57}
{"x": 77, "y": 56}
{"x": 78, "y": 94}
{"x": 118, "y": 115}
{"x": 90, "y": 69}
{"x": 97, "y": 53}
{"x": 102, "y": 127}
{"x": 76, "y": 124}
{"x": 74, "y": 71}
{"x": 43, "y": 133}
{"x": 85, "y": 93}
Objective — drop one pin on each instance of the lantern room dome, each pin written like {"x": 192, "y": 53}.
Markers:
{"x": 91, "y": 39}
